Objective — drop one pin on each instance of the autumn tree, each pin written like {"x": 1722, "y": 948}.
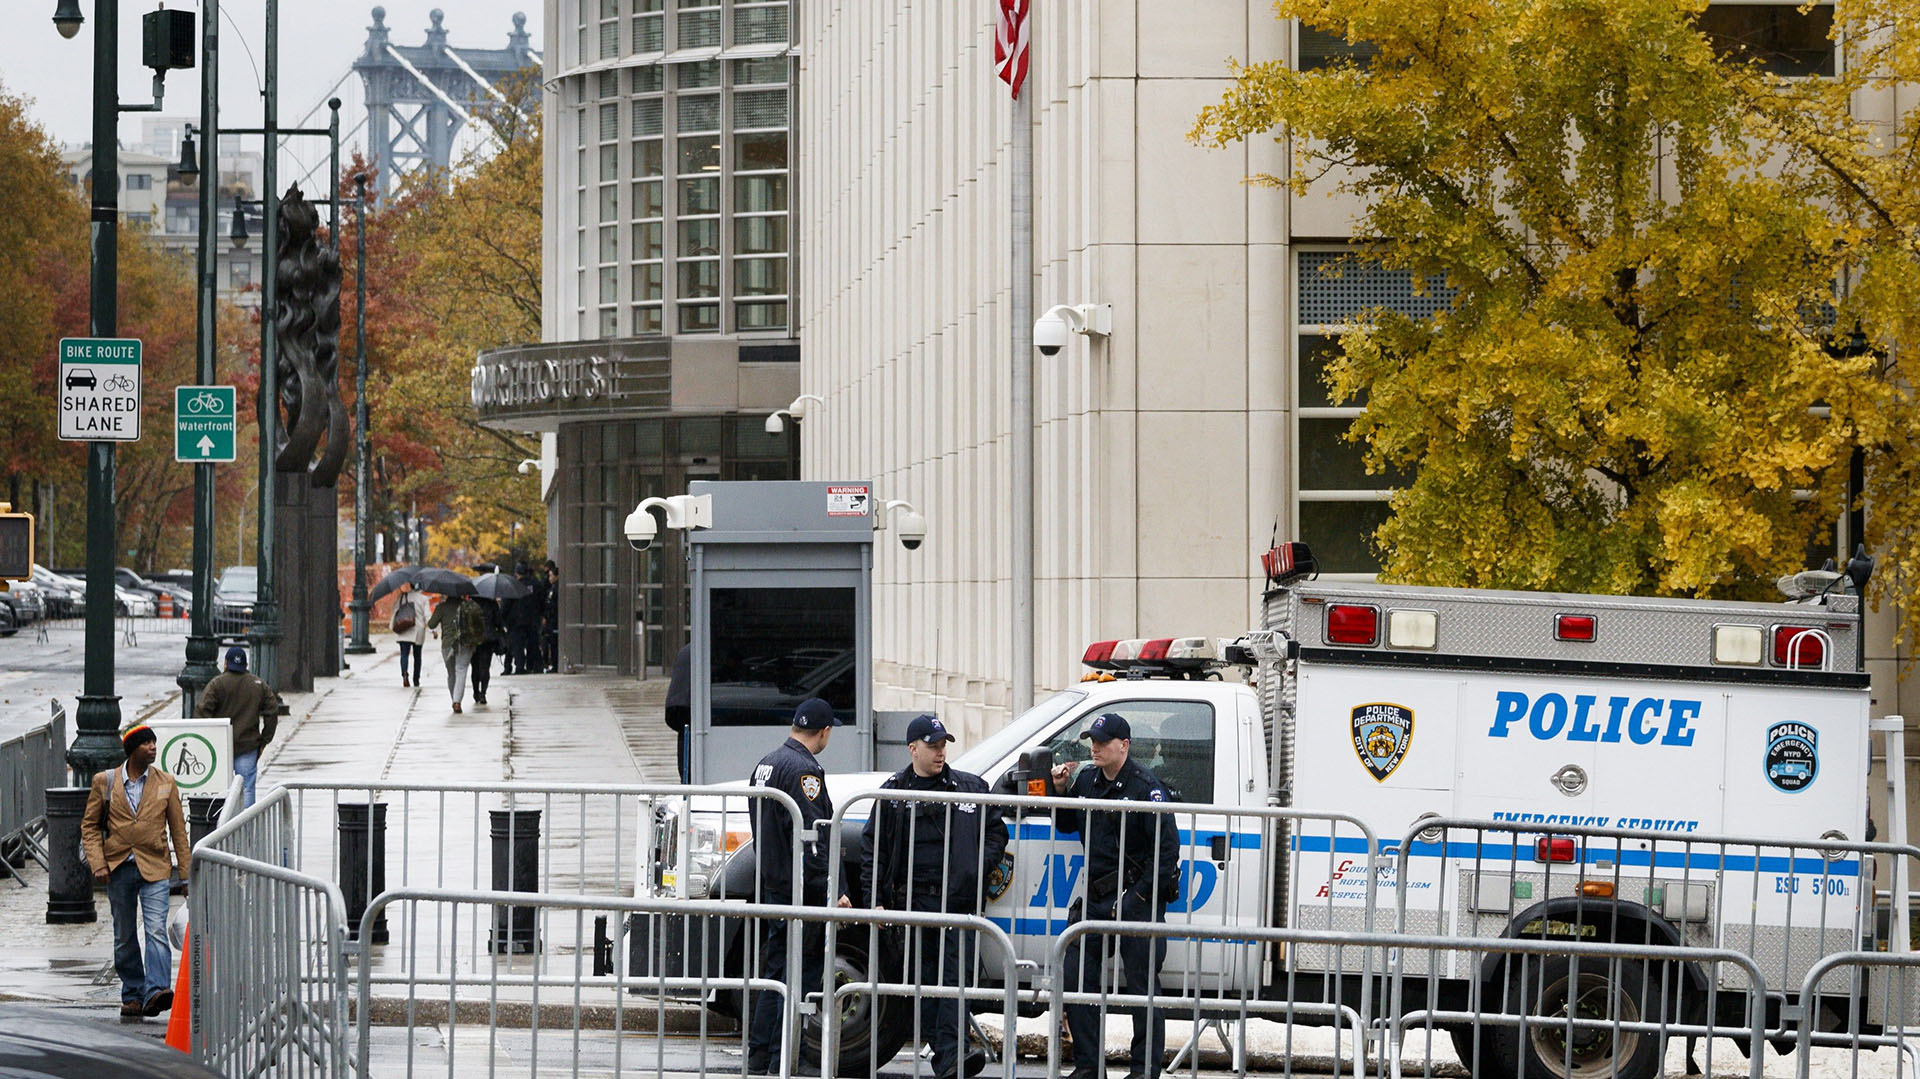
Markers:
{"x": 1622, "y": 396}
{"x": 453, "y": 268}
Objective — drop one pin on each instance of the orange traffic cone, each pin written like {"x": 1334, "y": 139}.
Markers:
{"x": 180, "y": 1019}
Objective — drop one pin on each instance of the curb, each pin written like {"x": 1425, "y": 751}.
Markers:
{"x": 643, "y": 1018}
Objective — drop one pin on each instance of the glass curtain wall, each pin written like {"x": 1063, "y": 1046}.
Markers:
{"x": 684, "y": 165}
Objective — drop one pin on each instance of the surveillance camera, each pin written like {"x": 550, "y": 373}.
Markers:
{"x": 775, "y": 424}
{"x": 525, "y": 468}
{"x": 1050, "y": 334}
{"x": 640, "y": 529}
{"x": 913, "y": 530}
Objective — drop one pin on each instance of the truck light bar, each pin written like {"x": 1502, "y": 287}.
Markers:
{"x": 1353, "y": 623}
{"x": 1574, "y": 627}
{"x": 1148, "y": 656}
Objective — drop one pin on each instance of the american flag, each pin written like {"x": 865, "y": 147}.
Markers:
{"x": 1010, "y": 43}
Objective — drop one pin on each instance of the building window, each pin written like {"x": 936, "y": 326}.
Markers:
{"x": 239, "y": 274}
{"x": 139, "y": 181}
{"x": 1784, "y": 39}
{"x": 1338, "y": 505}
{"x": 1317, "y": 48}
{"x": 139, "y": 218}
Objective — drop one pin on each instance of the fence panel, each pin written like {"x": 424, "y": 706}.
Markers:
{"x": 29, "y": 764}
{"x": 267, "y": 946}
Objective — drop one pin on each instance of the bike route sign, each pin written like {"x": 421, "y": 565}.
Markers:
{"x": 99, "y": 389}
{"x": 204, "y": 422}
{"x": 197, "y": 753}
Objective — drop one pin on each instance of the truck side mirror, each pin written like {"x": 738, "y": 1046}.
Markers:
{"x": 1033, "y": 776}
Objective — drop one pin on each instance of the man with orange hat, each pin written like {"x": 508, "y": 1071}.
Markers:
{"x": 131, "y": 812}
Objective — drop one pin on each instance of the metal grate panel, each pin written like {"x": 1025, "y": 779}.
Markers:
{"x": 1339, "y": 287}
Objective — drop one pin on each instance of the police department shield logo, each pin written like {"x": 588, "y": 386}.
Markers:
{"x": 1382, "y": 734}
{"x": 810, "y": 786}
{"x": 1793, "y": 756}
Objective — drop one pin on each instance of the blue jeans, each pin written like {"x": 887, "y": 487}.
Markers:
{"x": 247, "y": 767}
{"x": 408, "y": 648}
{"x": 139, "y": 905}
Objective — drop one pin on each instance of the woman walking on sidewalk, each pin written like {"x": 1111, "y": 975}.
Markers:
{"x": 460, "y": 626}
{"x": 409, "y": 626}
{"x": 493, "y": 642}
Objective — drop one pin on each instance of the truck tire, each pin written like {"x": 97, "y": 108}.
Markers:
{"x": 872, "y": 1030}
{"x": 1547, "y": 989}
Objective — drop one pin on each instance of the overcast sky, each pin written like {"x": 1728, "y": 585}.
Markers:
{"x": 318, "y": 42}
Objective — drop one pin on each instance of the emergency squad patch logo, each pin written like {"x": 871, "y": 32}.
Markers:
{"x": 1382, "y": 734}
{"x": 1793, "y": 756}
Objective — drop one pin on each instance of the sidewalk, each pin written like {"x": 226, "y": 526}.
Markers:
{"x": 364, "y": 727}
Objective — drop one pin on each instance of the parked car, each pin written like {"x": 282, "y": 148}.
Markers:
{"x": 66, "y": 597}
{"x": 9, "y": 621}
{"x": 135, "y": 604}
{"x": 234, "y": 595}
{"x": 182, "y": 598}
{"x": 33, "y": 602}
{"x": 37, "y": 1043}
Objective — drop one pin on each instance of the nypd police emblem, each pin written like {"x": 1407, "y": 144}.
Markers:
{"x": 810, "y": 786}
{"x": 1382, "y": 735}
{"x": 1793, "y": 756}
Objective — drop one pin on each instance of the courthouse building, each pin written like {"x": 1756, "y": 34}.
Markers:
{"x": 775, "y": 198}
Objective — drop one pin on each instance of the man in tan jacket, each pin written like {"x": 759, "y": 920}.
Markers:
{"x": 131, "y": 812}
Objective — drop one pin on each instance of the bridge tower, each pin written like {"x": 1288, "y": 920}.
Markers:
{"x": 418, "y": 97}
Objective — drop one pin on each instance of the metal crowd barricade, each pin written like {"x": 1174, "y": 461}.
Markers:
{"x": 267, "y": 948}
{"x": 29, "y": 764}
{"x": 1882, "y": 994}
{"x": 1227, "y": 878}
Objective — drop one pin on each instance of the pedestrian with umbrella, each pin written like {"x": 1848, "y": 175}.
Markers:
{"x": 492, "y": 591}
{"x": 409, "y": 626}
{"x": 459, "y": 625}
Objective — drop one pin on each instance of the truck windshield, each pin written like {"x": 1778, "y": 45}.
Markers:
{"x": 1029, "y": 726}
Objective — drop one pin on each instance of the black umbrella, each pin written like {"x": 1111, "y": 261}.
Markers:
{"x": 392, "y": 581}
{"x": 498, "y": 586}
{"x": 444, "y": 581}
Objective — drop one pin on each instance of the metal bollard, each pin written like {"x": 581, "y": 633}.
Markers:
{"x": 363, "y": 864}
{"x": 516, "y": 868}
{"x": 69, "y": 879}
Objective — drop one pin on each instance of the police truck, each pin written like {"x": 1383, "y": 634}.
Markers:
{"x": 1444, "y": 762}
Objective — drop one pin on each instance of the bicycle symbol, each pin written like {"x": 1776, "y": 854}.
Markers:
{"x": 123, "y": 383}
{"x": 206, "y": 401}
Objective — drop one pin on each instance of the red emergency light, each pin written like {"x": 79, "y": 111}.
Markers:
{"x": 1799, "y": 646}
{"x": 1353, "y": 623}
{"x": 1155, "y": 649}
{"x": 1098, "y": 655}
{"x": 1554, "y": 848}
{"x": 1574, "y": 627}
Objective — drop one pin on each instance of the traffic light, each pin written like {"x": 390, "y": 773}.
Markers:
{"x": 16, "y": 545}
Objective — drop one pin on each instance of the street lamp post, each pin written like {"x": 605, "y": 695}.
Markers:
{"x": 359, "y": 606}
{"x": 96, "y": 743}
{"x": 202, "y": 646}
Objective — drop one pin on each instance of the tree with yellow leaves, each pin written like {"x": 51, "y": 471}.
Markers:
{"x": 1637, "y": 383}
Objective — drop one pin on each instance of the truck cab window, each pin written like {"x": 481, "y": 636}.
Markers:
{"x": 1172, "y": 739}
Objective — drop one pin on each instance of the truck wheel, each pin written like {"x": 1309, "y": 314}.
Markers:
{"x": 872, "y": 1029}
{"x": 1549, "y": 989}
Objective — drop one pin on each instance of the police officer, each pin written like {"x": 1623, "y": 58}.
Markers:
{"x": 1133, "y": 872}
{"x": 794, "y": 769}
{"x": 933, "y": 856}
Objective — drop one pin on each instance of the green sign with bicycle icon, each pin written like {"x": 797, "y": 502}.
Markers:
{"x": 197, "y": 753}
{"x": 205, "y": 423}
{"x": 99, "y": 389}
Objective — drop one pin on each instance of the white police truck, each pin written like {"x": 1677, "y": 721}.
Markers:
{"x": 1439, "y": 761}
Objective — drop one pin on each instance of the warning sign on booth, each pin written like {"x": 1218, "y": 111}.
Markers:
{"x": 849, "y": 500}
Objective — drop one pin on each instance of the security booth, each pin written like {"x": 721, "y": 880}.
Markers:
{"x": 781, "y": 611}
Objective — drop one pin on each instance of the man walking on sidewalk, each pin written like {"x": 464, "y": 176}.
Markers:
{"x": 131, "y": 812}
{"x": 253, "y": 708}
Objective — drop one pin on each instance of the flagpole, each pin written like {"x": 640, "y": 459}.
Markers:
{"x": 1021, "y": 162}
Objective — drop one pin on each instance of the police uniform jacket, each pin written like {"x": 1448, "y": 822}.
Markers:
{"x": 792, "y": 769}
{"x": 1151, "y": 857}
{"x": 905, "y": 844}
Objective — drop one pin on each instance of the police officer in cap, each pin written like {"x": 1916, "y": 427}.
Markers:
{"x": 794, "y": 769}
{"x": 934, "y": 856}
{"x": 1133, "y": 872}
